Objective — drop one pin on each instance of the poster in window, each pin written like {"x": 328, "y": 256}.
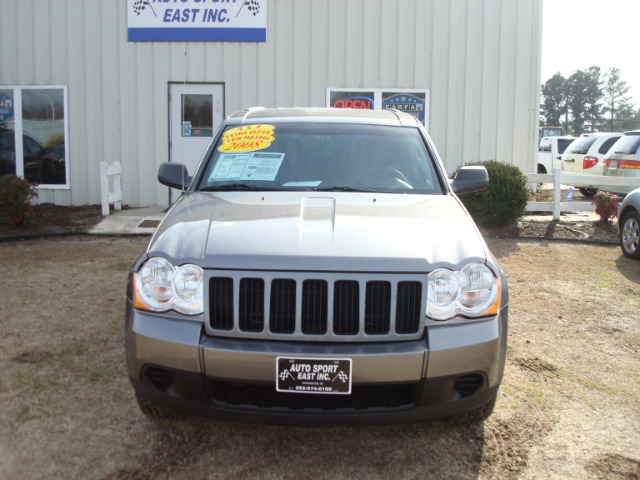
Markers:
{"x": 409, "y": 102}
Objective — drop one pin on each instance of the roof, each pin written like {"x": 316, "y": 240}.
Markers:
{"x": 323, "y": 115}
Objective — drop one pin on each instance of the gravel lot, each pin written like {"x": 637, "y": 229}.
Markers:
{"x": 569, "y": 406}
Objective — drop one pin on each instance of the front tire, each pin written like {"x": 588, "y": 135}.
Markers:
{"x": 630, "y": 235}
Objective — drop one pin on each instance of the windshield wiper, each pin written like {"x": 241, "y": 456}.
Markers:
{"x": 236, "y": 187}
{"x": 342, "y": 189}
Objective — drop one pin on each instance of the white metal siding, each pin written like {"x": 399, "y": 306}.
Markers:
{"x": 480, "y": 60}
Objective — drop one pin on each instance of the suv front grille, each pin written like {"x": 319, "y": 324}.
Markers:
{"x": 338, "y": 307}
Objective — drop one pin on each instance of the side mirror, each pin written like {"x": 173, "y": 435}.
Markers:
{"x": 470, "y": 179}
{"x": 174, "y": 175}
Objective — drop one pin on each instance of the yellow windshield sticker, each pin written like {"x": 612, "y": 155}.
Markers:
{"x": 247, "y": 138}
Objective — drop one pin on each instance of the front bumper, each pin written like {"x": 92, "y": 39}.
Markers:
{"x": 453, "y": 369}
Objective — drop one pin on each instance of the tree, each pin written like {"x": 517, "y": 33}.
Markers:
{"x": 585, "y": 99}
{"x": 593, "y": 98}
{"x": 554, "y": 101}
{"x": 616, "y": 102}
{"x": 577, "y": 87}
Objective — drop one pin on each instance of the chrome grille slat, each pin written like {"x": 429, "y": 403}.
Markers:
{"x": 308, "y": 306}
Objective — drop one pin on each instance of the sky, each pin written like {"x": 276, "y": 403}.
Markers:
{"x": 578, "y": 34}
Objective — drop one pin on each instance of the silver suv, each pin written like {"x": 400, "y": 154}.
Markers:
{"x": 319, "y": 268}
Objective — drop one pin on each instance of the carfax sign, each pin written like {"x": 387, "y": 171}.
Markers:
{"x": 197, "y": 20}
{"x": 410, "y": 102}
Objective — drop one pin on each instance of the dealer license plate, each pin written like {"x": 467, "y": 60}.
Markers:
{"x": 313, "y": 375}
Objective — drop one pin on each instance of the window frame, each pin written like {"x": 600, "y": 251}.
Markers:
{"x": 18, "y": 129}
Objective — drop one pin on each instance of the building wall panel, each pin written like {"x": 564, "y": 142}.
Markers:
{"x": 480, "y": 60}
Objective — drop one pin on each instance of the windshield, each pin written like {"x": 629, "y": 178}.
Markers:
{"x": 322, "y": 157}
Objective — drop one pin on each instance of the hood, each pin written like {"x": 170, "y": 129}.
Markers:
{"x": 345, "y": 231}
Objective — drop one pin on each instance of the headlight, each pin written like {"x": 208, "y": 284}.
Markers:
{"x": 472, "y": 292}
{"x": 159, "y": 287}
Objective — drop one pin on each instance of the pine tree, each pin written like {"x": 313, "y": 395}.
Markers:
{"x": 617, "y": 104}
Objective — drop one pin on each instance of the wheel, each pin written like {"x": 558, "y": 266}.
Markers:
{"x": 588, "y": 192}
{"x": 630, "y": 234}
{"x": 153, "y": 410}
{"x": 384, "y": 177}
{"x": 541, "y": 169}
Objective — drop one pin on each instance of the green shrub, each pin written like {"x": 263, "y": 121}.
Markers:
{"x": 503, "y": 201}
{"x": 606, "y": 205}
{"x": 15, "y": 199}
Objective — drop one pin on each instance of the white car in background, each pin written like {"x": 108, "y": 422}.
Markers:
{"x": 545, "y": 162}
{"x": 585, "y": 156}
{"x": 623, "y": 160}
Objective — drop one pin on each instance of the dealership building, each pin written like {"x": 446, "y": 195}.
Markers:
{"x": 141, "y": 82}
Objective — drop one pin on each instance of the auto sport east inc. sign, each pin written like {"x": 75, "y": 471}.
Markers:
{"x": 197, "y": 20}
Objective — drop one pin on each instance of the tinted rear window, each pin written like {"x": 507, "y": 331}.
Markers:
{"x": 581, "y": 145}
{"x": 627, "y": 145}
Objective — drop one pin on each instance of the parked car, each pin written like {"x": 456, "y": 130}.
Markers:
{"x": 41, "y": 165}
{"x": 629, "y": 224}
{"x": 319, "y": 268}
{"x": 545, "y": 162}
{"x": 585, "y": 156}
{"x": 623, "y": 160}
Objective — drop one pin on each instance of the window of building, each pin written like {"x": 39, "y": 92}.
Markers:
{"x": 413, "y": 101}
{"x": 37, "y": 116}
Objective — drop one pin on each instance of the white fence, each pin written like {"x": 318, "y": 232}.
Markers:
{"x": 558, "y": 178}
{"x": 110, "y": 187}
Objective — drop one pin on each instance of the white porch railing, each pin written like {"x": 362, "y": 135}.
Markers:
{"x": 110, "y": 186}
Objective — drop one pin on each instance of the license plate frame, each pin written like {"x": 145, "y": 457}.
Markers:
{"x": 314, "y": 375}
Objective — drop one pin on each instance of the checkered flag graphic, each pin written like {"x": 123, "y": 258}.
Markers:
{"x": 140, "y": 5}
{"x": 341, "y": 376}
{"x": 252, "y": 5}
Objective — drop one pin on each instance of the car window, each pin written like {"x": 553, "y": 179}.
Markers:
{"x": 581, "y": 145}
{"x": 321, "y": 156}
{"x": 607, "y": 144}
{"x": 563, "y": 144}
{"x": 627, "y": 144}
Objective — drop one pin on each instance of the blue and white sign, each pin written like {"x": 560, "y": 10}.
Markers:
{"x": 410, "y": 102}
{"x": 569, "y": 196}
{"x": 6, "y": 108}
{"x": 197, "y": 20}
